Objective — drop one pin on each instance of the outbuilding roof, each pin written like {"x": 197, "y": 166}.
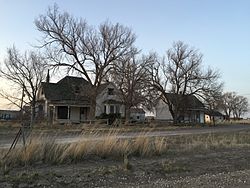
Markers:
{"x": 185, "y": 101}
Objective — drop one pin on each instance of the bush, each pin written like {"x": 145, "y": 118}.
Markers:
{"x": 111, "y": 117}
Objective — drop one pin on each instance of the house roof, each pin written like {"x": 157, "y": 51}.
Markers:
{"x": 69, "y": 80}
{"x": 137, "y": 110}
{"x": 185, "y": 101}
{"x": 214, "y": 113}
{"x": 70, "y": 88}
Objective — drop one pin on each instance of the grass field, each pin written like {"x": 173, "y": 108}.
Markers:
{"x": 126, "y": 160}
{"x": 44, "y": 149}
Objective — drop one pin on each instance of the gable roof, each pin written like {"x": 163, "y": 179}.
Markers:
{"x": 68, "y": 88}
{"x": 71, "y": 89}
{"x": 185, "y": 101}
{"x": 70, "y": 80}
{"x": 214, "y": 113}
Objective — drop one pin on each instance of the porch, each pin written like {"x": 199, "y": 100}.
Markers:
{"x": 68, "y": 114}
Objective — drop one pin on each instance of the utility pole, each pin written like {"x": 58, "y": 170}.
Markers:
{"x": 22, "y": 122}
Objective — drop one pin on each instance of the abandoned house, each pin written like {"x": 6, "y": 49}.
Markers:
{"x": 69, "y": 100}
{"x": 190, "y": 109}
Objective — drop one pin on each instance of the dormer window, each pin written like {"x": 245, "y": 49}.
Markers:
{"x": 110, "y": 91}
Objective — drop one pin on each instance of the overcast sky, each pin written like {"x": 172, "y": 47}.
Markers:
{"x": 220, "y": 29}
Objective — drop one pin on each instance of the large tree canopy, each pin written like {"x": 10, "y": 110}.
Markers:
{"x": 72, "y": 43}
{"x": 91, "y": 52}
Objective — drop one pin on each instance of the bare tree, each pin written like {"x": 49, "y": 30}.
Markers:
{"x": 72, "y": 43}
{"x": 132, "y": 78}
{"x": 227, "y": 103}
{"x": 26, "y": 72}
{"x": 182, "y": 73}
{"x": 234, "y": 105}
{"x": 240, "y": 107}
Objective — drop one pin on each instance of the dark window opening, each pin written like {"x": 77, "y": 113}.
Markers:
{"x": 82, "y": 110}
{"x": 117, "y": 109}
{"x": 112, "y": 109}
{"x": 138, "y": 117}
{"x": 62, "y": 112}
{"x": 110, "y": 91}
{"x": 105, "y": 109}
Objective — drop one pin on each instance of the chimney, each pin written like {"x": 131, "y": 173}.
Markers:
{"x": 48, "y": 77}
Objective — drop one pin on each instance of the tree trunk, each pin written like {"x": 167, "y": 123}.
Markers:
{"x": 127, "y": 115}
{"x": 93, "y": 104}
{"x": 33, "y": 113}
{"x": 92, "y": 109}
{"x": 174, "y": 115}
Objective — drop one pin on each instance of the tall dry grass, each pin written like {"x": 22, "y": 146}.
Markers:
{"x": 44, "y": 149}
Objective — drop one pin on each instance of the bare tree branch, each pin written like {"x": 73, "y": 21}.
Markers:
{"x": 26, "y": 72}
{"x": 182, "y": 74}
{"x": 82, "y": 48}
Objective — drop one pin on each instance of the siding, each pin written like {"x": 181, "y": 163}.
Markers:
{"x": 162, "y": 111}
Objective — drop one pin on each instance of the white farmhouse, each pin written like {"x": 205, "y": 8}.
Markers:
{"x": 69, "y": 100}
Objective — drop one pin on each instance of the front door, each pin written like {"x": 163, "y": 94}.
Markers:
{"x": 84, "y": 113}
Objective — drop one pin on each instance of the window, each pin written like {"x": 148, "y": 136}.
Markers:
{"x": 105, "y": 109}
{"x": 112, "y": 109}
{"x": 110, "y": 91}
{"x": 138, "y": 117}
{"x": 117, "y": 109}
{"x": 62, "y": 112}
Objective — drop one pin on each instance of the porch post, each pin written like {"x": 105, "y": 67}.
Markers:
{"x": 108, "y": 109}
{"x": 68, "y": 114}
{"x": 54, "y": 117}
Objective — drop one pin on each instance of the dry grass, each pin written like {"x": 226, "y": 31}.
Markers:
{"x": 210, "y": 141}
{"x": 44, "y": 149}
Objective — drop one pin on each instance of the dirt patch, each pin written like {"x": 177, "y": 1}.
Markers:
{"x": 226, "y": 167}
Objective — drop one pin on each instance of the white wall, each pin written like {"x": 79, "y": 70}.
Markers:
{"x": 134, "y": 116}
{"x": 162, "y": 112}
{"x": 202, "y": 117}
{"x": 104, "y": 96}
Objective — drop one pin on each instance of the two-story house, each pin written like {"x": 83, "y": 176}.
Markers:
{"x": 69, "y": 100}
